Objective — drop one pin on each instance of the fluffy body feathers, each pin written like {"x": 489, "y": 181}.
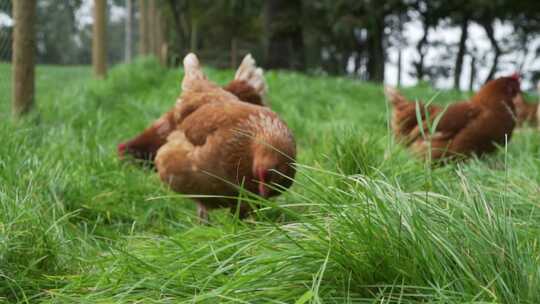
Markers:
{"x": 249, "y": 85}
{"x": 216, "y": 143}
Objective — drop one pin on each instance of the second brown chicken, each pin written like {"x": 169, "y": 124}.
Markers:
{"x": 462, "y": 129}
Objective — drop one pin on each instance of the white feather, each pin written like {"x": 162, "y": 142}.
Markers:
{"x": 252, "y": 75}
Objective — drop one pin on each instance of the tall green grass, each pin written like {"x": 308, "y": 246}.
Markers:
{"x": 364, "y": 222}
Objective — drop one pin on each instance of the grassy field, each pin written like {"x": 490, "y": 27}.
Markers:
{"x": 364, "y": 223}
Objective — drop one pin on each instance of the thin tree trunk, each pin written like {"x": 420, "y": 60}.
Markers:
{"x": 160, "y": 43}
{"x": 193, "y": 36}
{"x": 99, "y": 54}
{"x": 24, "y": 49}
{"x": 152, "y": 25}
{"x": 488, "y": 26}
{"x": 143, "y": 28}
{"x": 234, "y": 52}
{"x": 376, "y": 58}
{"x": 129, "y": 31}
{"x": 400, "y": 51}
{"x": 461, "y": 52}
{"x": 473, "y": 73}
{"x": 419, "y": 66}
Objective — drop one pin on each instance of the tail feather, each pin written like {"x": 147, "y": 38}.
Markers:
{"x": 193, "y": 73}
{"x": 394, "y": 96}
{"x": 252, "y": 75}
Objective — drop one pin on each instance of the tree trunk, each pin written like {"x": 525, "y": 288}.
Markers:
{"x": 285, "y": 43}
{"x": 234, "y": 52}
{"x": 461, "y": 52}
{"x": 161, "y": 47}
{"x": 420, "y": 48}
{"x": 152, "y": 25}
{"x": 143, "y": 28}
{"x": 488, "y": 26}
{"x": 193, "y": 36}
{"x": 23, "y": 60}
{"x": 129, "y": 32}
{"x": 473, "y": 73}
{"x": 376, "y": 53}
{"x": 156, "y": 29}
{"x": 99, "y": 48}
{"x": 400, "y": 50}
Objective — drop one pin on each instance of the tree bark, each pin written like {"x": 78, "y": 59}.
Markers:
{"x": 24, "y": 52}
{"x": 461, "y": 52}
{"x": 400, "y": 50}
{"x": 143, "y": 28}
{"x": 285, "y": 44}
{"x": 99, "y": 48}
{"x": 473, "y": 73}
{"x": 152, "y": 25}
{"x": 419, "y": 66}
{"x": 376, "y": 53}
{"x": 234, "y": 52}
{"x": 194, "y": 36}
{"x": 161, "y": 45}
{"x": 488, "y": 26}
{"x": 129, "y": 32}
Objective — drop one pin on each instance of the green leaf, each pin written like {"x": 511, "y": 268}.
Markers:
{"x": 305, "y": 297}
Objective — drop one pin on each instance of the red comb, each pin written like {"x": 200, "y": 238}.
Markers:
{"x": 121, "y": 149}
{"x": 515, "y": 76}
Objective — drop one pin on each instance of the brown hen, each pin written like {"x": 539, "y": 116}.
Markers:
{"x": 249, "y": 85}
{"x": 220, "y": 143}
{"x": 461, "y": 129}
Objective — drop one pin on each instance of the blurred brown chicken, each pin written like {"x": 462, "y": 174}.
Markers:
{"x": 219, "y": 143}
{"x": 526, "y": 113}
{"x": 249, "y": 85}
{"x": 461, "y": 129}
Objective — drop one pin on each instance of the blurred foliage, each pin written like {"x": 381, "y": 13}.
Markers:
{"x": 318, "y": 36}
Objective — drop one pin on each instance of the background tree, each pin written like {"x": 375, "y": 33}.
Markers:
{"x": 6, "y": 32}
{"x": 144, "y": 39}
{"x": 24, "y": 46}
{"x": 99, "y": 47}
{"x": 283, "y": 29}
{"x": 56, "y": 32}
{"x": 231, "y": 29}
{"x": 339, "y": 37}
{"x": 129, "y": 31}
{"x": 463, "y": 20}
{"x": 430, "y": 13}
